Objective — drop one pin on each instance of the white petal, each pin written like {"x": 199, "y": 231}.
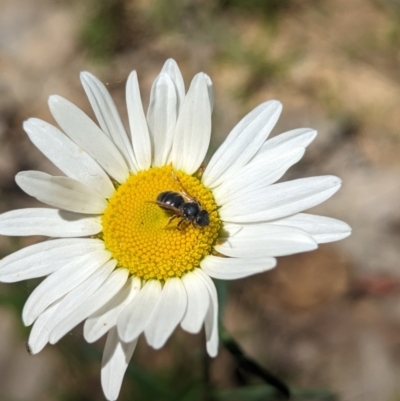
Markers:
{"x": 242, "y": 143}
{"x": 211, "y": 321}
{"x": 85, "y": 133}
{"x": 161, "y": 117}
{"x": 167, "y": 313}
{"x": 108, "y": 289}
{"x": 322, "y": 229}
{"x": 49, "y": 222}
{"x": 259, "y": 173}
{"x": 234, "y": 268}
{"x": 286, "y": 142}
{"x": 116, "y": 357}
{"x": 67, "y": 156}
{"x": 210, "y": 89}
{"x": 61, "y": 282}
{"x": 280, "y": 200}
{"x": 106, "y": 317}
{"x": 197, "y": 305}
{"x": 171, "y": 68}
{"x": 134, "y": 317}
{"x": 41, "y": 259}
{"x": 39, "y": 335}
{"x": 107, "y": 116}
{"x": 61, "y": 192}
{"x": 138, "y": 124}
{"x": 193, "y": 128}
{"x": 264, "y": 239}
{"x": 75, "y": 298}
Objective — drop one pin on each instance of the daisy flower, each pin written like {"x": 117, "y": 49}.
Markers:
{"x": 123, "y": 262}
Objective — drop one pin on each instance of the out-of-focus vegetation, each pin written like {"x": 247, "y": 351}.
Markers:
{"x": 115, "y": 25}
{"x": 325, "y": 322}
{"x": 110, "y": 27}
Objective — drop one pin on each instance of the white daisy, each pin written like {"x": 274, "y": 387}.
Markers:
{"x": 119, "y": 262}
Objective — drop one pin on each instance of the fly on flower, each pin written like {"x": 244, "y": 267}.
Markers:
{"x": 110, "y": 261}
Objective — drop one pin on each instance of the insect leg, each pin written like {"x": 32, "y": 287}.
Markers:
{"x": 179, "y": 224}
{"x": 170, "y": 219}
{"x": 194, "y": 225}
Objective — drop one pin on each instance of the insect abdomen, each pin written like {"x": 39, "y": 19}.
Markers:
{"x": 170, "y": 198}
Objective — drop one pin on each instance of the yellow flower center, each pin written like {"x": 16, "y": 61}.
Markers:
{"x": 141, "y": 235}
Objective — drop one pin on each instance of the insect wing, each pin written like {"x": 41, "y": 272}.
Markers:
{"x": 184, "y": 191}
{"x": 166, "y": 206}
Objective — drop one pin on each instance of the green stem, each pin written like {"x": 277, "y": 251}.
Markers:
{"x": 247, "y": 364}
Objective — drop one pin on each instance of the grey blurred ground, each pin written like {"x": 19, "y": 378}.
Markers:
{"x": 328, "y": 319}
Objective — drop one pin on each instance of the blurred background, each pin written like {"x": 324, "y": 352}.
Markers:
{"x": 327, "y": 322}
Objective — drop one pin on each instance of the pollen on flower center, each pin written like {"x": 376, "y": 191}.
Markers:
{"x": 138, "y": 233}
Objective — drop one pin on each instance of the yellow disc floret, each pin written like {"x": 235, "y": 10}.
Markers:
{"x": 141, "y": 235}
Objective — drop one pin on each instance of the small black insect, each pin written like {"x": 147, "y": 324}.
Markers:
{"x": 184, "y": 206}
